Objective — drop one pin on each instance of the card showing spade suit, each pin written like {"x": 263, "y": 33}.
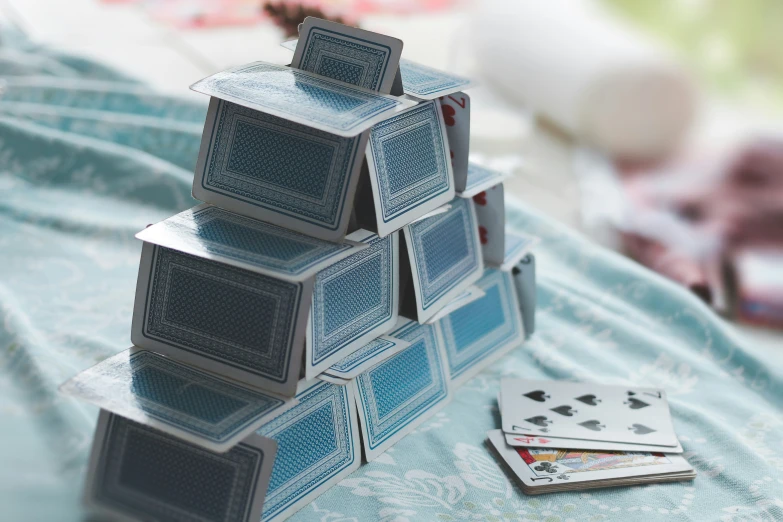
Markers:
{"x": 230, "y": 294}
{"x": 587, "y": 411}
{"x": 443, "y": 259}
{"x": 354, "y": 301}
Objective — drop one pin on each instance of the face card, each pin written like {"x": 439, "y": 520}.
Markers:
{"x": 354, "y": 301}
{"x": 542, "y": 468}
{"x": 480, "y": 179}
{"x": 281, "y": 172}
{"x": 534, "y": 441}
{"x": 470, "y": 294}
{"x": 409, "y": 166}
{"x": 318, "y": 445}
{"x": 156, "y": 391}
{"x": 517, "y": 246}
{"x": 479, "y": 333}
{"x": 347, "y": 54}
{"x": 444, "y": 257}
{"x": 587, "y": 411}
{"x": 302, "y": 97}
{"x": 456, "y": 115}
{"x": 427, "y": 83}
{"x": 139, "y": 473}
{"x": 218, "y": 235}
{"x": 491, "y": 215}
{"x": 366, "y": 357}
{"x": 400, "y": 393}
{"x": 524, "y": 273}
{"x": 233, "y": 322}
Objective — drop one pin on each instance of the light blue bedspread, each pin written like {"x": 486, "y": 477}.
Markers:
{"x": 89, "y": 157}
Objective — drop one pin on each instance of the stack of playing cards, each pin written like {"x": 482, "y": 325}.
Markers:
{"x": 348, "y": 268}
{"x": 560, "y": 436}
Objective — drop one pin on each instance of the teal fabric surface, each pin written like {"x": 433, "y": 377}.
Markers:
{"x": 89, "y": 157}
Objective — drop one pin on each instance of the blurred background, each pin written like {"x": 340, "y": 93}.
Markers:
{"x": 653, "y": 127}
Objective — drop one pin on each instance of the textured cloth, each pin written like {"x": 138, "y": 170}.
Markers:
{"x": 88, "y": 158}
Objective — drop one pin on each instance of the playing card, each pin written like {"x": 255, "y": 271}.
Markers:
{"x": 470, "y": 294}
{"x": 533, "y": 441}
{"x": 480, "y": 179}
{"x": 491, "y": 216}
{"x": 409, "y": 166}
{"x": 517, "y": 246}
{"x": 272, "y": 169}
{"x": 318, "y": 445}
{"x": 479, "y": 333}
{"x": 524, "y": 273}
{"x": 587, "y": 411}
{"x": 400, "y": 393}
{"x": 347, "y": 54}
{"x": 366, "y": 357}
{"x": 427, "y": 83}
{"x": 156, "y": 391}
{"x": 333, "y": 380}
{"x": 302, "y": 97}
{"x": 444, "y": 258}
{"x": 354, "y": 301}
{"x": 217, "y": 235}
{"x": 456, "y": 115}
{"x": 139, "y": 473}
{"x": 548, "y": 470}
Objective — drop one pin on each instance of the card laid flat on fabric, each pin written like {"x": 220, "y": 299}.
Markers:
{"x": 409, "y": 166}
{"x": 480, "y": 179}
{"x": 139, "y": 473}
{"x": 533, "y": 441}
{"x": 354, "y": 301}
{"x": 215, "y": 234}
{"x": 471, "y": 294}
{"x": 480, "y": 332}
{"x": 240, "y": 324}
{"x": 318, "y": 445}
{"x": 365, "y": 357}
{"x": 491, "y": 215}
{"x": 278, "y": 171}
{"x": 403, "y": 391}
{"x": 444, "y": 255}
{"x": 456, "y": 116}
{"x": 550, "y": 470}
{"x": 584, "y": 410}
{"x": 427, "y": 83}
{"x": 347, "y": 54}
{"x": 159, "y": 392}
{"x": 302, "y": 97}
{"x": 517, "y": 246}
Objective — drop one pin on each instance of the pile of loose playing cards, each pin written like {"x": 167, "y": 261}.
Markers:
{"x": 560, "y": 436}
{"x": 349, "y": 267}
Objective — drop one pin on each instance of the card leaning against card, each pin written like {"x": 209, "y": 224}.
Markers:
{"x": 164, "y": 394}
{"x": 139, "y": 473}
{"x": 229, "y": 294}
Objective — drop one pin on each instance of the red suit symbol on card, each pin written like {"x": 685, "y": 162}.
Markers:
{"x": 544, "y": 441}
{"x": 480, "y": 198}
{"x": 448, "y": 115}
{"x": 526, "y": 440}
{"x": 483, "y": 235}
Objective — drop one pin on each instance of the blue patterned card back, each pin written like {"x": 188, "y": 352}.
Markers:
{"x": 445, "y": 256}
{"x": 428, "y": 83}
{"x": 479, "y": 332}
{"x": 170, "y": 396}
{"x": 480, "y": 178}
{"x": 141, "y": 473}
{"x": 317, "y": 446}
{"x": 347, "y": 54}
{"x": 517, "y": 245}
{"x": 284, "y": 173}
{"x": 410, "y": 167}
{"x": 216, "y": 234}
{"x": 368, "y": 355}
{"x": 231, "y": 321}
{"x": 302, "y": 97}
{"x": 354, "y": 301}
{"x": 402, "y": 391}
